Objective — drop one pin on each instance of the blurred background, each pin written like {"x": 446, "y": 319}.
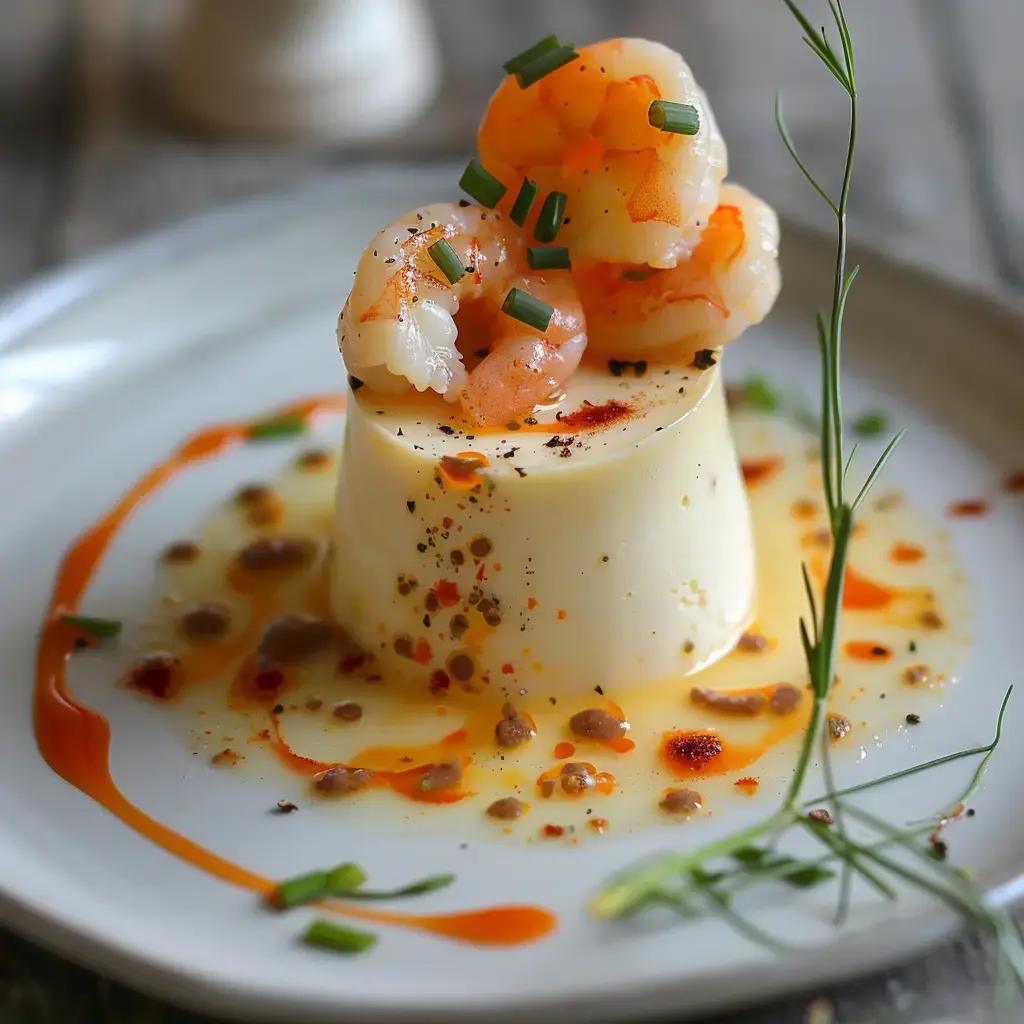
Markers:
{"x": 117, "y": 116}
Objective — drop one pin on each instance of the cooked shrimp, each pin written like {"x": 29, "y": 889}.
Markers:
{"x": 729, "y": 283}
{"x": 635, "y": 194}
{"x": 400, "y": 324}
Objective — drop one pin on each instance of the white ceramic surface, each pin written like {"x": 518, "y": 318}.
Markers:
{"x": 104, "y": 368}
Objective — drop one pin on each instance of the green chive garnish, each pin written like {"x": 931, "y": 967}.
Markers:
{"x": 552, "y": 257}
{"x": 344, "y": 878}
{"x": 758, "y": 394}
{"x": 102, "y": 629}
{"x": 338, "y": 938}
{"x": 484, "y": 187}
{"x": 549, "y": 221}
{"x": 447, "y": 261}
{"x": 524, "y": 201}
{"x": 550, "y": 60}
{"x": 679, "y": 118}
{"x": 302, "y": 889}
{"x": 512, "y": 65}
{"x": 522, "y": 306}
{"x": 870, "y": 425}
{"x": 429, "y": 884}
{"x": 271, "y": 430}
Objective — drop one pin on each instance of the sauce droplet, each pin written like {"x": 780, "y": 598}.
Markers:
{"x": 969, "y": 508}
{"x": 865, "y": 650}
{"x": 760, "y": 471}
{"x": 906, "y": 553}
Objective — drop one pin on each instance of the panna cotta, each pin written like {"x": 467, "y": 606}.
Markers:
{"x": 538, "y": 484}
{"x": 606, "y": 544}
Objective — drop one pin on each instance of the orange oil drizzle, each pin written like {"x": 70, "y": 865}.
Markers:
{"x": 74, "y": 739}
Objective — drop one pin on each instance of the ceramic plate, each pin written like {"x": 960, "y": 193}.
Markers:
{"x": 106, "y": 367}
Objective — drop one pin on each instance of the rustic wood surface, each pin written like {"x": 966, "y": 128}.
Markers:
{"x": 88, "y": 157}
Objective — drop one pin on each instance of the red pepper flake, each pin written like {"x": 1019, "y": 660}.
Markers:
{"x": 481, "y": 572}
{"x": 591, "y": 417}
{"x": 599, "y": 825}
{"x": 748, "y": 785}
{"x": 447, "y": 593}
{"x": 969, "y": 508}
{"x": 562, "y": 613}
{"x": 1013, "y": 483}
{"x": 531, "y": 603}
{"x": 439, "y": 682}
{"x": 564, "y": 750}
{"x": 351, "y": 663}
{"x": 553, "y": 831}
{"x": 158, "y": 674}
{"x": 423, "y": 654}
{"x": 508, "y": 668}
{"x": 447, "y": 522}
{"x": 692, "y": 751}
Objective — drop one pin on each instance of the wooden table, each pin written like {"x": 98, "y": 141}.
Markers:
{"x": 86, "y": 159}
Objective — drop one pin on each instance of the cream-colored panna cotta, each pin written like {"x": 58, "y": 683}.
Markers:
{"x": 603, "y": 542}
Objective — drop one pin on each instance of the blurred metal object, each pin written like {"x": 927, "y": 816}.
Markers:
{"x": 340, "y": 71}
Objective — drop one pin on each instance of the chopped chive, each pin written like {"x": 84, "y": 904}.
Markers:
{"x": 530, "y": 54}
{"x": 679, "y": 118}
{"x": 302, "y": 889}
{"x": 447, "y": 261}
{"x": 270, "y": 430}
{"x": 522, "y": 306}
{"x": 483, "y": 186}
{"x": 870, "y": 425}
{"x": 550, "y": 60}
{"x": 550, "y": 218}
{"x": 524, "y": 202}
{"x": 554, "y": 257}
{"x": 344, "y": 878}
{"x": 760, "y": 395}
{"x": 102, "y": 629}
{"x": 425, "y": 885}
{"x": 338, "y": 938}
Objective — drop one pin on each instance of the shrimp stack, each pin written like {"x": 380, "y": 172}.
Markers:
{"x": 657, "y": 258}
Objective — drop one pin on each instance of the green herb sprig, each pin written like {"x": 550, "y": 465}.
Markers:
{"x": 705, "y": 880}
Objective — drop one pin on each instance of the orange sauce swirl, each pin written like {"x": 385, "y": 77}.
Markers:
{"x": 74, "y": 739}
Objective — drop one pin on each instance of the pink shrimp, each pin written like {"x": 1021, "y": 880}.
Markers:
{"x": 406, "y": 325}
{"x": 729, "y": 283}
{"x": 635, "y": 194}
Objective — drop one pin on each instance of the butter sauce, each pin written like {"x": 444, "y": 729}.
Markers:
{"x": 915, "y": 611}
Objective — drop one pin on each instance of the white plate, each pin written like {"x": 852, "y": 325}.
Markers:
{"x": 104, "y": 368}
